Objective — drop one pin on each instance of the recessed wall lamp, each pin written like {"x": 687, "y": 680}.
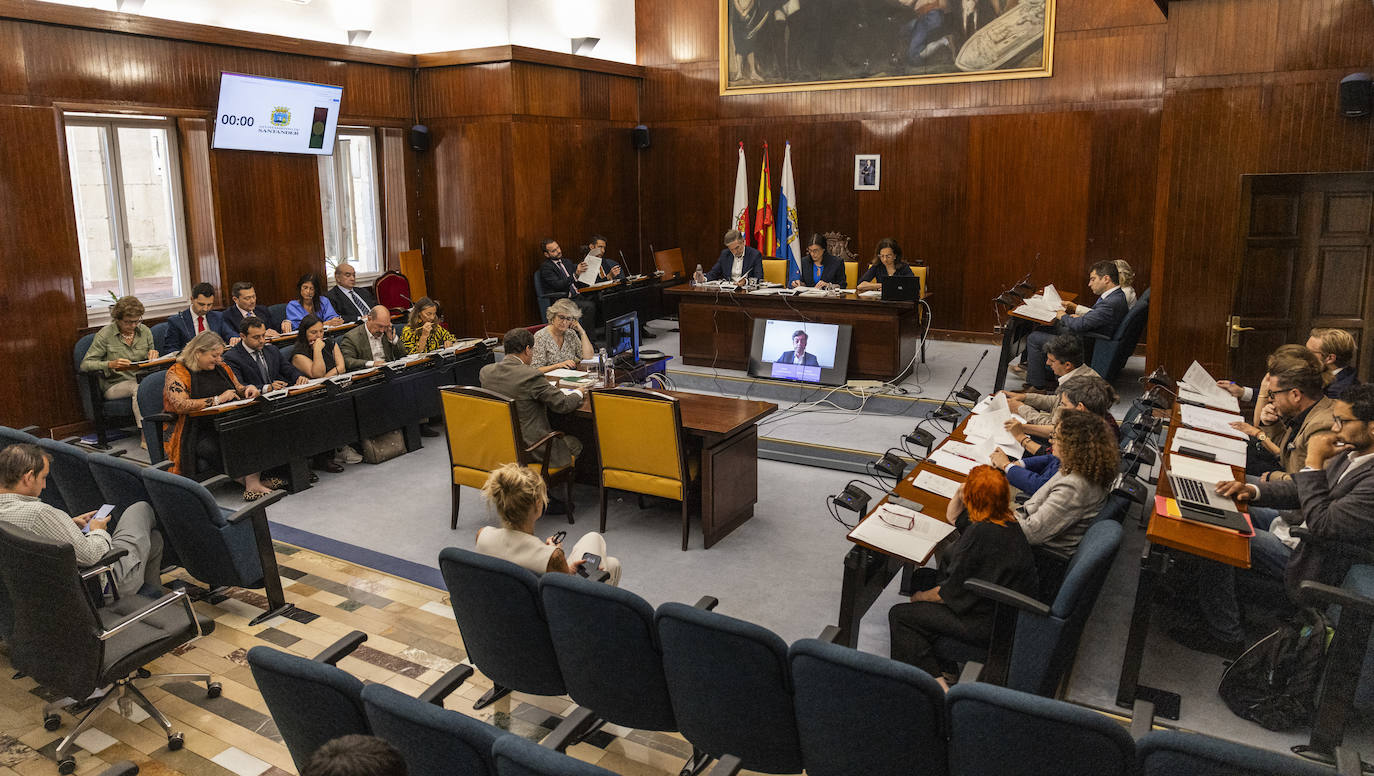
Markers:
{"x": 584, "y": 45}
{"x": 358, "y": 37}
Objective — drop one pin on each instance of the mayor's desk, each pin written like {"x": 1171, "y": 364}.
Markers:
{"x": 725, "y": 431}
{"x": 717, "y": 327}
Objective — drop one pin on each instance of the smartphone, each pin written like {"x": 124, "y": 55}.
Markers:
{"x": 590, "y": 564}
{"x": 100, "y": 514}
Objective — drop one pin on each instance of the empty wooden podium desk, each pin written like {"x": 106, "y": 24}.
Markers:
{"x": 717, "y": 327}
{"x": 1014, "y": 332}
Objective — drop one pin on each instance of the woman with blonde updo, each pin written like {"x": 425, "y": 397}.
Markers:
{"x": 518, "y": 495}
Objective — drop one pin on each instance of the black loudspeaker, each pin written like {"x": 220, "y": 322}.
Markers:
{"x": 1357, "y": 95}
{"x": 419, "y": 138}
{"x": 640, "y": 137}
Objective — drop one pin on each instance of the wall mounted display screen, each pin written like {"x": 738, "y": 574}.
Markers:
{"x": 804, "y": 352}
{"x": 270, "y": 114}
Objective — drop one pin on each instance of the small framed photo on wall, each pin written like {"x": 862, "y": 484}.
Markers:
{"x": 867, "y": 172}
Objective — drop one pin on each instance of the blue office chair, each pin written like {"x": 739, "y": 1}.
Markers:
{"x": 995, "y": 731}
{"x": 160, "y": 337}
{"x": 99, "y": 410}
{"x": 540, "y": 300}
{"x": 1109, "y": 354}
{"x": 287, "y": 351}
{"x": 149, "y": 398}
{"x": 1169, "y": 752}
{"x": 218, "y": 549}
{"x": 71, "y": 473}
{"x": 121, "y": 483}
{"x": 21, "y": 436}
{"x": 731, "y": 688}
{"x": 1044, "y": 637}
{"x": 433, "y": 740}
{"x": 614, "y": 669}
{"x": 516, "y": 756}
{"x": 861, "y": 713}
{"x": 278, "y": 312}
{"x": 496, "y": 604}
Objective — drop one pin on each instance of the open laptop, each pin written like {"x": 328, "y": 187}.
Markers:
{"x": 900, "y": 289}
{"x": 1198, "y": 500}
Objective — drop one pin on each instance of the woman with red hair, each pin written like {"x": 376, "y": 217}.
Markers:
{"x": 993, "y": 548}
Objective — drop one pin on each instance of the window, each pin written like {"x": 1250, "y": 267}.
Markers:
{"x": 349, "y": 201}
{"x": 127, "y": 192}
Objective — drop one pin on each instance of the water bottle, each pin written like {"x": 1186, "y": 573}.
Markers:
{"x": 604, "y": 378}
{"x": 698, "y": 277}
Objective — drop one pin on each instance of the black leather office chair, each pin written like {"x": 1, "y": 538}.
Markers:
{"x": 102, "y": 645}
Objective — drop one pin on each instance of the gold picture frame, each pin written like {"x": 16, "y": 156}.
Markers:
{"x": 771, "y": 46}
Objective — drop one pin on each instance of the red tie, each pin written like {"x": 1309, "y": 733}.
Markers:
{"x": 200, "y": 323}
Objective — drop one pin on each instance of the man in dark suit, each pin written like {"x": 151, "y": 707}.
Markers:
{"x": 246, "y": 306}
{"x": 350, "y": 301}
{"x": 1101, "y": 318}
{"x": 1332, "y": 495}
{"x": 185, "y": 325}
{"x": 1336, "y": 349}
{"x": 798, "y": 354}
{"x": 534, "y": 395}
{"x": 738, "y": 261}
{"x": 558, "y": 276}
{"x": 256, "y": 363}
{"x": 610, "y": 268}
{"x": 372, "y": 344}
{"x": 820, "y": 269}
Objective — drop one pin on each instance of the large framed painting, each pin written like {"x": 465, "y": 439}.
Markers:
{"x": 792, "y": 45}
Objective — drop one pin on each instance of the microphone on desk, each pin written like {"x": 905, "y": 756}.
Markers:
{"x": 968, "y": 392}
{"x": 944, "y": 411}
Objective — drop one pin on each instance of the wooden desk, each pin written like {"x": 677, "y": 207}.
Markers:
{"x": 1014, "y": 333}
{"x": 1164, "y": 534}
{"x": 726, "y": 431}
{"x": 718, "y": 327}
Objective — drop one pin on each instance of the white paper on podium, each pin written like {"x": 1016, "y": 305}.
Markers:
{"x": 934, "y": 483}
{"x": 1051, "y": 297}
{"x": 978, "y": 452}
{"x": 593, "y": 267}
{"x": 1204, "y": 419}
{"x": 1229, "y": 457}
{"x": 562, "y": 373}
{"x": 1194, "y": 438}
{"x": 914, "y": 544}
{"x": 990, "y": 424}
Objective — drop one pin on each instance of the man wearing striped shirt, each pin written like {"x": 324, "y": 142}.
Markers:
{"x": 24, "y": 474}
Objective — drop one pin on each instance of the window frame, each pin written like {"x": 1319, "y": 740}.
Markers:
{"x": 110, "y": 123}
{"x": 343, "y": 187}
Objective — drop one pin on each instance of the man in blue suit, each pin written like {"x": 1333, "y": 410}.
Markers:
{"x": 185, "y": 325}
{"x": 256, "y": 363}
{"x": 798, "y": 354}
{"x": 1102, "y": 318}
{"x": 246, "y": 305}
{"x": 738, "y": 261}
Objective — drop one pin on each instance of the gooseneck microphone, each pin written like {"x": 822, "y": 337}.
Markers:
{"x": 944, "y": 411}
{"x": 968, "y": 393}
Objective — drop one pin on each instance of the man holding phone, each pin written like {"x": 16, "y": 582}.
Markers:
{"x": 24, "y": 474}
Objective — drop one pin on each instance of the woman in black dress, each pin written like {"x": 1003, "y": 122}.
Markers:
{"x": 887, "y": 262}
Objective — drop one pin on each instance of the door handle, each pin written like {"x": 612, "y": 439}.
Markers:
{"x": 1234, "y": 329}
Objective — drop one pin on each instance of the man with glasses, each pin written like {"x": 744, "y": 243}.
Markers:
{"x": 350, "y": 302}
{"x": 116, "y": 347}
{"x": 1332, "y": 495}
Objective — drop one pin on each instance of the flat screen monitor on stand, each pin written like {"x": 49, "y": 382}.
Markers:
{"x": 622, "y": 340}
{"x": 800, "y": 351}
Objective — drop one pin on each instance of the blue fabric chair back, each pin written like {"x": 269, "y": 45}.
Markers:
{"x": 1169, "y": 752}
{"x": 1045, "y": 646}
{"x": 210, "y": 549}
{"x": 149, "y": 398}
{"x": 1110, "y": 356}
{"x": 287, "y": 351}
{"x": 862, "y": 713}
{"x": 433, "y": 740}
{"x": 278, "y": 312}
{"x": 995, "y": 731}
{"x": 614, "y": 668}
{"x": 121, "y": 483}
{"x": 71, "y": 474}
{"x": 312, "y": 703}
{"x": 160, "y": 337}
{"x": 496, "y": 604}
{"x": 539, "y": 298}
{"x": 83, "y": 385}
{"x": 731, "y": 687}
{"x": 516, "y": 756}
{"x": 1360, "y": 580}
{"x": 13, "y": 436}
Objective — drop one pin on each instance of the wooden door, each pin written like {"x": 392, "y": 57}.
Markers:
{"x": 1308, "y": 261}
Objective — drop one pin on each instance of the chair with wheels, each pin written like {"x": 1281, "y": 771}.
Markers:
{"x": 643, "y": 450}
{"x": 995, "y": 731}
{"x": 484, "y": 434}
{"x": 219, "y": 550}
{"x": 103, "y": 645}
{"x": 731, "y": 688}
{"x": 70, "y": 471}
{"x": 99, "y": 410}
{"x": 433, "y": 740}
{"x": 862, "y": 713}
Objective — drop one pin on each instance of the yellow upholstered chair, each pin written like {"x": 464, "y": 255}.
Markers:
{"x": 639, "y": 434}
{"x": 851, "y": 275}
{"x": 920, "y": 272}
{"x": 775, "y": 271}
{"x": 484, "y": 434}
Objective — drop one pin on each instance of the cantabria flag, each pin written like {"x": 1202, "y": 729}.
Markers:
{"x": 788, "y": 245}
{"x": 740, "y": 212}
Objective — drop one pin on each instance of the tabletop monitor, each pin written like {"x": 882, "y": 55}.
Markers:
{"x": 257, "y": 113}
{"x": 804, "y": 352}
{"x": 622, "y": 338}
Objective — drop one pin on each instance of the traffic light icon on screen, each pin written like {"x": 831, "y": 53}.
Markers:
{"x": 317, "y": 128}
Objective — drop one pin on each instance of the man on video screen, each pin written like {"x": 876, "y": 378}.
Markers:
{"x": 798, "y": 354}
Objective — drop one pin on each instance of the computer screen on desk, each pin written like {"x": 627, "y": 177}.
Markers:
{"x": 622, "y": 338}
{"x": 800, "y": 351}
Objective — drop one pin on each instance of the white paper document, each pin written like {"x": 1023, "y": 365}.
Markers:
{"x": 955, "y": 463}
{"x": 1043, "y": 306}
{"x": 1199, "y": 387}
{"x": 593, "y": 267}
{"x": 571, "y": 391}
{"x": 1205, "y": 419}
{"x": 1194, "y": 438}
{"x": 1228, "y": 457}
{"x": 934, "y": 483}
{"x": 990, "y": 424}
{"x": 562, "y": 373}
{"x": 235, "y": 403}
{"x": 976, "y": 452}
{"x": 1206, "y": 471}
{"x": 915, "y": 543}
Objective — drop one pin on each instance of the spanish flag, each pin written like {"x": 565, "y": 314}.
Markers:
{"x": 764, "y": 239}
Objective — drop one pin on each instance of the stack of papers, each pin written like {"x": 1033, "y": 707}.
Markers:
{"x": 870, "y": 294}
{"x": 947, "y": 460}
{"x": 914, "y": 544}
{"x": 1225, "y": 450}
{"x": 934, "y": 483}
{"x": 565, "y": 373}
{"x": 1199, "y": 387}
{"x": 1204, "y": 471}
{"x": 1216, "y": 422}
{"x": 593, "y": 267}
{"x": 1043, "y": 306}
{"x": 989, "y": 424}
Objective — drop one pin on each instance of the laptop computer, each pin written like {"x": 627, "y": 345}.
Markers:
{"x": 900, "y": 289}
{"x": 1198, "y": 500}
